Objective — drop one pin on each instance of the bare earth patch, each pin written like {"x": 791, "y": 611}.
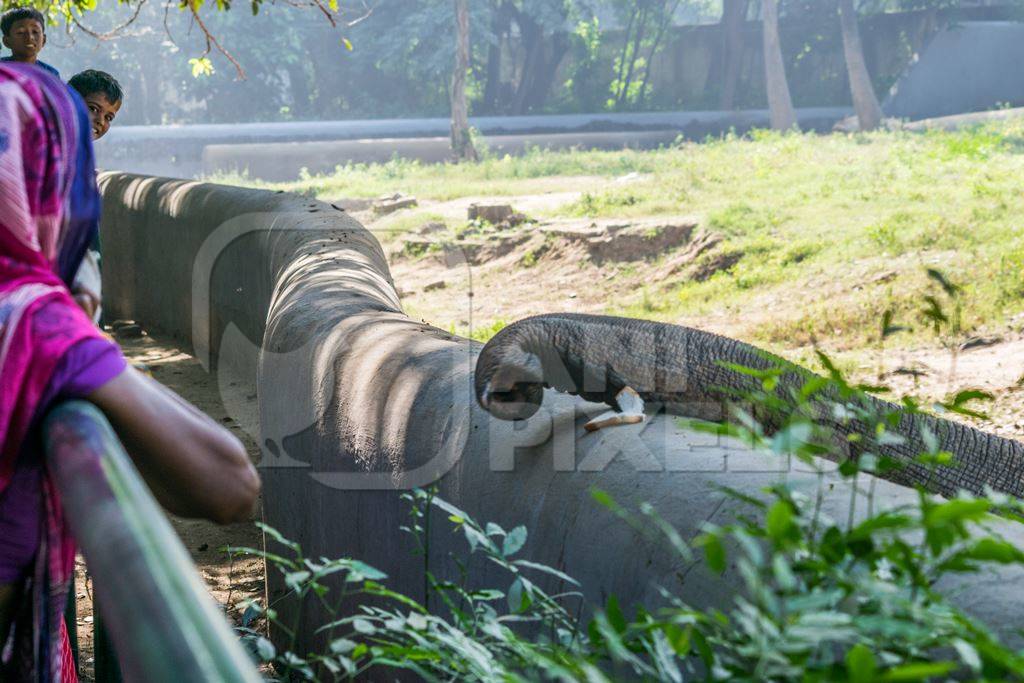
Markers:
{"x": 230, "y": 583}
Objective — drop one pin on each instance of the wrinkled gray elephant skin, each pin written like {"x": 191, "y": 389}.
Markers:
{"x": 692, "y": 373}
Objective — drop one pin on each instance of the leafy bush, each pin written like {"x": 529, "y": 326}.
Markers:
{"x": 475, "y": 640}
{"x": 816, "y": 598}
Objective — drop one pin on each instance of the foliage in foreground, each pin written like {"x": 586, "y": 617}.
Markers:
{"x": 816, "y": 598}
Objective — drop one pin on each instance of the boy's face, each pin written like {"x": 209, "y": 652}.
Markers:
{"x": 25, "y": 39}
{"x": 101, "y": 112}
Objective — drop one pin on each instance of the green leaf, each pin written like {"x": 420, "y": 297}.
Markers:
{"x": 514, "y": 542}
{"x": 994, "y": 550}
{"x": 518, "y": 601}
{"x": 417, "y": 621}
{"x": 714, "y": 552}
{"x": 265, "y": 649}
{"x": 960, "y": 401}
{"x": 547, "y": 570}
{"x": 363, "y": 626}
{"x": 955, "y": 512}
{"x": 972, "y": 395}
{"x": 860, "y": 664}
{"x": 948, "y": 287}
{"x": 791, "y": 438}
{"x": 201, "y": 66}
{"x": 884, "y": 521}
{"x": 779, "y": 523}
{"x": 295, "y": 580}
{"x": 360, "y": 571}
{"x": 278, "y": 536}
{"x": 448, "y": 507}
{"x": 968, "y": 654}
{"x": 603, "y": 498}
{"x": 614, "y": 614}
{"x": 918, "y": 671}
{"x": 342, "y": 646}
{"x": 783, "y": 573}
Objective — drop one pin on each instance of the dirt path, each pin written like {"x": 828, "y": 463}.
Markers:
{"x": 230, "y": 583}
{"x": 546, "y": 274}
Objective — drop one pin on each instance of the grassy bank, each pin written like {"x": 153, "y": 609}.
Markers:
{"x": 832, "y": 231}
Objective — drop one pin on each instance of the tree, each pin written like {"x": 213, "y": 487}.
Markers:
{"x": 462, "y": 143}
{"x": 72, "y": 12}
{"x": 533, "y": 35}
{"x": 780, "y": 103}
{"x": 865, "y": 103}
{"x": 734, "y": 14}
{"x": 647, "y": 22}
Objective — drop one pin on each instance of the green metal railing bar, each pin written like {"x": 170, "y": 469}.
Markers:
{"x": 163, "y": 623}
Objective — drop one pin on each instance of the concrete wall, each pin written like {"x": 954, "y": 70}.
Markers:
{"x": 358, "y": 402}
{"x": 283, "y": 161}
{"x": 179, "y": 150}
{"x": 968, "y": 67}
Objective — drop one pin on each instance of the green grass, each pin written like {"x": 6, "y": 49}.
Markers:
{"x": 832, "y": 229}
{"x": 498, "y": 176}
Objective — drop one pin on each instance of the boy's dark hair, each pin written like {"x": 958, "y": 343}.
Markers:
{"x": 93, "y": 81}
{"x": 12, "y": 16}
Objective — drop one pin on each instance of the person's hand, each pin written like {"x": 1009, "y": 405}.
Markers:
{"x": 86, "y": 300}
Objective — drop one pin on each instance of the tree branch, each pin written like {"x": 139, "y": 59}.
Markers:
{"x": 114, "y": 32}
{"x": 211, "y": 41}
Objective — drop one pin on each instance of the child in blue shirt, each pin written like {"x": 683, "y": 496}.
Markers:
{"x": 24, "y": 31}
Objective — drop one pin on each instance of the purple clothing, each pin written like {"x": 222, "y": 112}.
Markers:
{"x": 86, "y": 367}
{"x": 40, "y": 64}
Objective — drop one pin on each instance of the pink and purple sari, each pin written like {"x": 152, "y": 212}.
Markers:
{"x": 49, "y": 211}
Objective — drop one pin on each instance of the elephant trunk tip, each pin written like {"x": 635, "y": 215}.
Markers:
{"x": 520, "y": 402}
{"x": 509, "y": 383}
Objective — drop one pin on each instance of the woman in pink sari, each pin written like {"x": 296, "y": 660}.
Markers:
{"x": 50, "y": 351}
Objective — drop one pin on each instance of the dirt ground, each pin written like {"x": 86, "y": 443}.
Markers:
{"x": 230, "y": 582}
{"x": 547, "y": 267}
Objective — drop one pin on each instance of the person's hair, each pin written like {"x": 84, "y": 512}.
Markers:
{"x": 92, "y": 81}
{"x": 13, "y": 16}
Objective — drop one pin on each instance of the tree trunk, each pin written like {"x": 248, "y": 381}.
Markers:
{"x": 500, "y": 26}
{"x": 543, "y": 54}
{"x": 734, "y": 14}
{"x": 300, "y": 91}
{"x": 634, "y": 55}
{"x": 664, "y": 25}
{"x": 780, "y": 103}
{"x": 865, "y": 103}
{"x": 462, "y": 143}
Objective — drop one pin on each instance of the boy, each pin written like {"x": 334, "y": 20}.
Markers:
{"x": 24, "y": 32}
{"x": 102, "y": 94}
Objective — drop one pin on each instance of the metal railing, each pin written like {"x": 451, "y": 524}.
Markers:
{"x": 161, "y": 620}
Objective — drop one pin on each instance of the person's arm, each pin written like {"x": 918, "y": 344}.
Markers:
{"x": 87, "y": 286}
{"x": 194, "y": 466}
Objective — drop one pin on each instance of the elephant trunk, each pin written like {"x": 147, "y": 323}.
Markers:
{"x": 695, "y": 373}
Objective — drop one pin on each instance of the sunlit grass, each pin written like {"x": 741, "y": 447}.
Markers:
{"x": 833, "y": 230}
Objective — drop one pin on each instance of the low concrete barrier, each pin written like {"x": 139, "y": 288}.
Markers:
{"x": 284, "y": 161}
{"x": 359, "y": 402}
{"x": 178, "y": 150}
{"x": 960, "y": 121}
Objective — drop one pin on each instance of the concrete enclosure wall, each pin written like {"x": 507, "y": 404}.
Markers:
{"x": 968, "y": 67}
{"x": 181, "y": 150}
{"x": 358, "y": 402}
